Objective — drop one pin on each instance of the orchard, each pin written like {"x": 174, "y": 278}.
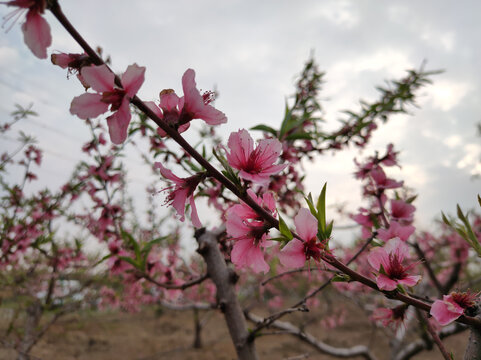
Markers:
{"x": 265, "y": 254}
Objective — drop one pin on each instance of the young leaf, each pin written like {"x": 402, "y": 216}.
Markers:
{"x": 284, "y": 229}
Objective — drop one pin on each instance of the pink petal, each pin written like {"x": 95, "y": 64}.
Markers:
{"x": 100, "y": 78}
{"x": 119, "y": 122}
{"x": 155, "y": 109}
{"x": 36, "y": 34}
{"x": 443, "y": 313}
{"x": 246, "y": 254}
{"x": 169, "y": 101}
{"x": 88, "y": 106}
{"x": 235, "y": 227}
{"x": 178, "y": 203}
{"x": 306, "y": 224}
{"x": 192, "y": 97}
{"x": 396, "y": 246}
{"x": 292, "y": 255}
{"x": 132, "y": 79}
{"x": 241, "y": 146}
{"x": 410, "y": 280}
{"x": 385, "y": 283}
{"x": 269, "y": 150}
{"x": 377, "y": 257}
{"x": 194, "y": 216}
{"x": 168, "y": 174}
{"x": 211, "y": 115}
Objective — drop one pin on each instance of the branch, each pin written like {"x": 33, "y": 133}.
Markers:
{"x": 191, "y": 306}
{"x": 358, "y": 350}
{"x": 419, "y": 345}
{"x": 429, "y": 269}
{"x": 183, "y": 286}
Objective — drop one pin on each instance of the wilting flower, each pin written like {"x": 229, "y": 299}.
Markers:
{"x": 183, "y": 191}
{"x": 102, "y": 80}
{"x": 249, "y": 232}
{"x": 36, "y": 31}
{"x": 388, "y": 261}
{"x": 296, "y": 252}
{"x": 256, "y": 165}
{"x": 452, "y": 306}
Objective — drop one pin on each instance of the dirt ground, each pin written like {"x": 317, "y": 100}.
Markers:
{"x": 149, "y": 335}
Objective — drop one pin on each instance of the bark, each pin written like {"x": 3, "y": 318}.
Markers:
{"x": 473, "y": 351}
{"x": 34, "y": 312}
{"x": 224, "y": 280}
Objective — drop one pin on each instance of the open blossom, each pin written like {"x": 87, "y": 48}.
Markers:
{"x": 256, "y": 165}
{"x": 396, "y": 231}
{"x": 388, "y": 262}
{"x": 197, "y": 106}
{"x": 402, "y": 211}
{"x": 296, "y": 252}
{"x": 250, "y": 233}
{"x": 73, "y": 62}
{"x": 36, "y": 31}
{"x": 183, "y": 191}
{"x": 452, "y": 306}
{"x": 108, "y": 95}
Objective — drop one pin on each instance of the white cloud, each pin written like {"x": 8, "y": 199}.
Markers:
{"x": 471, "y": 159}
{"x": 8, "y": 56}
{"x": 453, "y": 141}
{"x": 338, "y": 12}
{"x": 446, "y": 94}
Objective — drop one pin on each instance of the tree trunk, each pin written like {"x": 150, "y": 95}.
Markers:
{"x": 224, "y": 280}
{"x": 473, "y": 351}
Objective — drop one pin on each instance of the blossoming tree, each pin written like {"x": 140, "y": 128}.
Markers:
{"x": 391, "y": 270}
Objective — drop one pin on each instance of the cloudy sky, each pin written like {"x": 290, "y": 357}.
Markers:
{"x": 251, "y": 51}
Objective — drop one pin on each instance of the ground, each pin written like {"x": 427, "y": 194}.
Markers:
{"x": 150, "y": 335}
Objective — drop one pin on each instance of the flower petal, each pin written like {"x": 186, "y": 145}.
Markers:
{"x": 36, "y": 34}
{"x": 119, "y": 122}
{"x": 306, "y": 224}
{"x": 194, "y": 216}
{"x": 132, "y": 79}
{"x": 292, "y": 255}
{"x": 100, "y": 78}
{"x": 88, "y": 106}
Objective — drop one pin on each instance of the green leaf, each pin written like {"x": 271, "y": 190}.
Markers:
{"x": 341, "y": 278}
{"x": 321, "y": 209}
{"x": 310, "y": 203}
{"x": 131, "y": 262}
{"x": 479, "y": 200}
{"x": 265, "y": 128}
{"x": 131, "y": 241}
{"x": 445, "y": 219}
{"x": 284, "y": 229}
{"x": 302, "y": 135}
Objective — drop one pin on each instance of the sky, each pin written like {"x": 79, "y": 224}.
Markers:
{"x": 251, "y": 51}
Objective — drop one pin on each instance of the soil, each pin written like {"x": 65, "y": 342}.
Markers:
{"x": 150, "y": 335}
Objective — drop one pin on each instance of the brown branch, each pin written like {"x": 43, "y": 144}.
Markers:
{"x": 183, "y": 286}
{"x": 429, "y": 269}
{"x": 359, "y": 350}
{"x": 419, "y": 345}
{"x": 436, "y": 339}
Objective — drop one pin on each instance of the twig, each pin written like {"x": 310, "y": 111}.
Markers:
{"x": 358, "y": 350}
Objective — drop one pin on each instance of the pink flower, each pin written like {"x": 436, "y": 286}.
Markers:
{"x": 183, "y": 191}
{"x": 36, "y": 31}
{"x": 402, "y": 211}
{"x": 169, "y": 110}
{"x": 452, "y": 306}
{"x": 250, "y": 233}
{"x": 296, "y": 252}
{"x": 73, "y": 62}
{"x": 256, "y": 165}
{"x": 388, "y": 262}
{"x": 196, "y": 106}
{"x": 102, "y": 80}
{"x": 382, "y": 181}
{"x": 396, "y": 230}
{"x": 390, "y": 317}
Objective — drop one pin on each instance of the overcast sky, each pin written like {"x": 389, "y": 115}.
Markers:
{"x": 251, "y": 51}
